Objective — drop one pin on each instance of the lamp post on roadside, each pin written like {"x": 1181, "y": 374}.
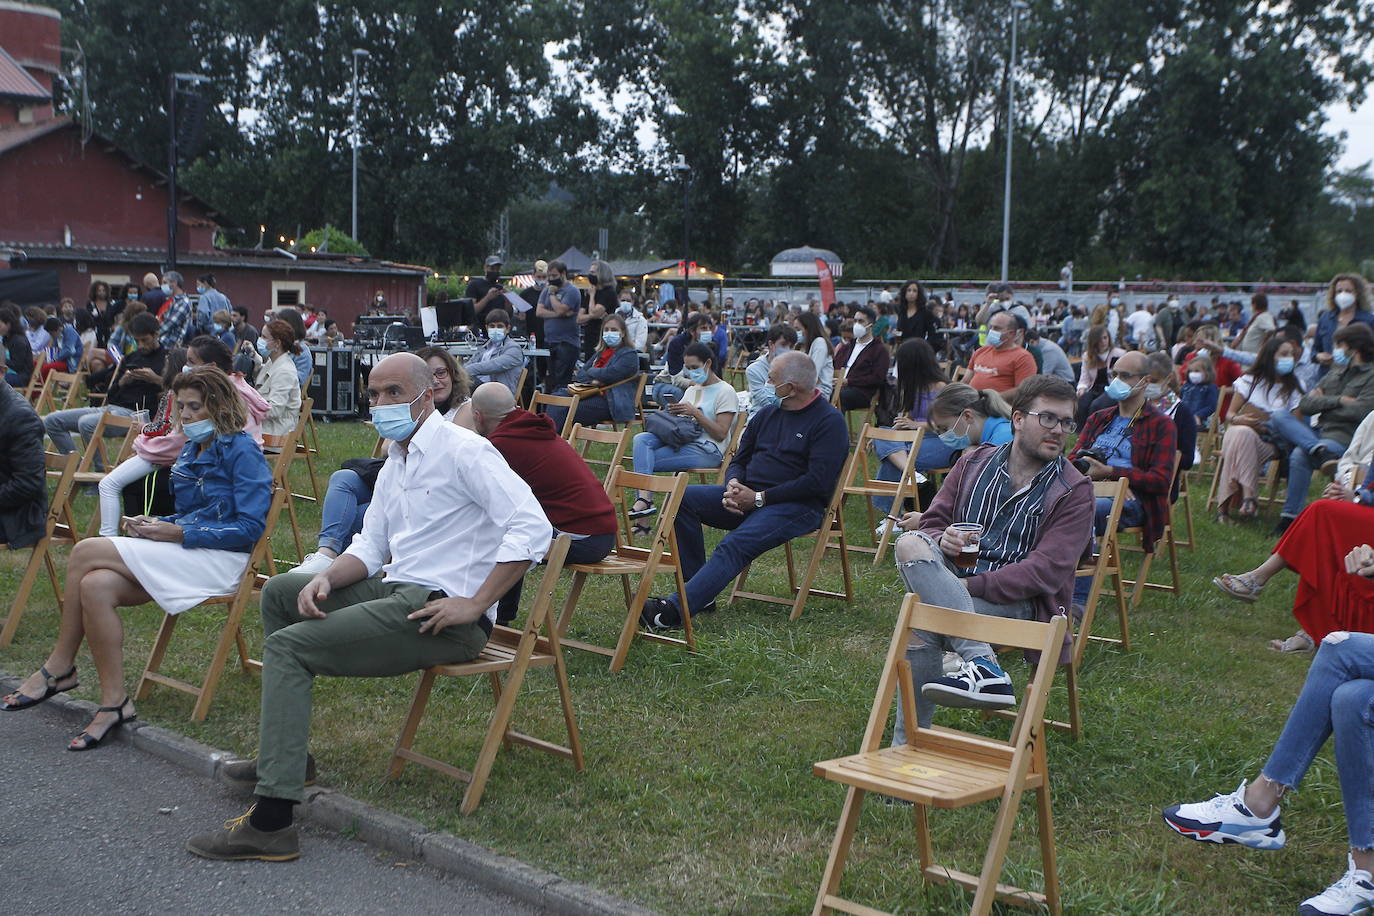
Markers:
{"x": 685, "y": 172}
{"x": 1016, "y": 7}
{"x": 358, "y": 53}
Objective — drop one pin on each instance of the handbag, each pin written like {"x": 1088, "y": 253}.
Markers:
{"x": 672, "y": 430}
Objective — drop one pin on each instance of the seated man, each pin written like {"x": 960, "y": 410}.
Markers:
{"x": 452, "y": 529}
{"x": 23, "y": 481}
{"x": 1002, "y": 363}
{"x": 500, "y": 359}
{"x": 779, "y": 485}
{"x": 1132, "y": 440}
{"x": 567, "y": 490}
{"x": 781, "y": 339}
{"x": 1035, "y": 512}
{"x": 865, "y": 361}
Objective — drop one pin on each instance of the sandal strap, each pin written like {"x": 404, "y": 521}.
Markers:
{"x": 119, "y": 708}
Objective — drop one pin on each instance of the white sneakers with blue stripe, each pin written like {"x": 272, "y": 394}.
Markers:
{"x": 1225, "y": 819}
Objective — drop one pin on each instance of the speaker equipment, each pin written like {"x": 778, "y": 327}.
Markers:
{"x": 334, "y": 382}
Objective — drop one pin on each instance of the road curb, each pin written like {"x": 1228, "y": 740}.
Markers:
{"x": 381, "y": 829}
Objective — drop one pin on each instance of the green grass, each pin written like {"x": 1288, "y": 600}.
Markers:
{"x": 698, "y": 795}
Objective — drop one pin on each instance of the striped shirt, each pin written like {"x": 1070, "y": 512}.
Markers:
{"x": 1011, "y": 521}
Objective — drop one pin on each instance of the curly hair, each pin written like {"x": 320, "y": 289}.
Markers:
{"x": 284, "y": 335}
{"x": 222, "y": 400}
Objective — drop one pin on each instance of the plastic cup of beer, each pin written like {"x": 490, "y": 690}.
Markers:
{"x": 972, "y": 534}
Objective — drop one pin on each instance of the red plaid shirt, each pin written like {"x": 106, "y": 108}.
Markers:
{"x": 1154, "y": 443}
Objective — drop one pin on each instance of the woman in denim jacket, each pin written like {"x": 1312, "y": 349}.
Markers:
{"x": 616, "y": 360}
{"x": 223, "y": 488}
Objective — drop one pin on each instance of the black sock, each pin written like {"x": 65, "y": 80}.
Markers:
{"x": 271, "y": 814}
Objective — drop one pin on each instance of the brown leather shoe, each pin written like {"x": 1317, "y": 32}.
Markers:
{"x": 240, "y": 840}
{"x": 245, "y": 772}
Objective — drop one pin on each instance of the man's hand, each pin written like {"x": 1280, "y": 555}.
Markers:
{"x": 1096, "y": 469}
{"x": 1323, "y": 358}
{"x": 738, "y": 498}
{"x": 145, "y": 375}
{"x": 1360, "y": 561}
{"x": 909, "y": 521}
{"x": 447, "y": 612}
{"x": 315, "y": 591}
{"x": 952, "y": 541}
{"x": 903, "y": 421}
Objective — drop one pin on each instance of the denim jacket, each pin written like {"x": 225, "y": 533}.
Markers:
{"x": 624, "y": 364}
{"x": 222, "y": 494}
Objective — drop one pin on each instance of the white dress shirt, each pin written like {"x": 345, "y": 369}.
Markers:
{"x": 446, "y": 511}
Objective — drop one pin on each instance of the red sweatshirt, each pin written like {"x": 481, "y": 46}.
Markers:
{"x": 570, "y": 494}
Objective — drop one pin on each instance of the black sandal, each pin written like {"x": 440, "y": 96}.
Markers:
{"x": 91, "y": 743}
{"x": 649, "y": 508}
{"x": 17, "y": 701}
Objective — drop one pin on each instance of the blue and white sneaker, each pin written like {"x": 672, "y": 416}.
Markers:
{"x": 979, "y": 684}
{"x": 1352, "y": 895}
{"x": 1225, "y": 819}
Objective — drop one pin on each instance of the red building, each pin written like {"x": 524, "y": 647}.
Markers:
{"x": 76, "y": 209}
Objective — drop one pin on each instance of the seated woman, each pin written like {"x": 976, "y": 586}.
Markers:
{"x": 815, "y": 343}
{"x": 350, "y": 488}
{"x": 865, "y": 361}
{"x": 1312, "y": 547}
{"x": 616, "y": 360}
{"x": 162, "y": 440}
{"x": 222, "y": 328}
{"x": 277, "y": 378}
{"x": 1335, "y": 700}
{"x": 919, "y": 380}
{"x": 712, "y": 403}
{"x": 1099, "y": 355}
{"x": 223, "y": 489}
{"x": 1269, "y": 386}
{"x": 961, "y": 416}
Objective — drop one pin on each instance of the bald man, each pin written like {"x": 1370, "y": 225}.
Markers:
{"x": 450, "y": 527}
{"x": 567, "y": 490}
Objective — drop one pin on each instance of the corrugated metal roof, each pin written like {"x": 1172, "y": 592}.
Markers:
{"x": 15, "y": 81}
{"x": 232, "y": 258}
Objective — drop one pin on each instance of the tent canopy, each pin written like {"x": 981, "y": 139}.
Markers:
{"x": 801, "y": 262}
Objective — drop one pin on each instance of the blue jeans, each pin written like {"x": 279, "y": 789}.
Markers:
{"x": 1338, "y": 698}
{"x": 651, "y": 455}
{"x": 1131, "y": 515}
{"x": 60, "y": 424}
{"x": 934, "y": 454}
{"x": 590, "y": 412}
{"x": 1303, "y": 439}
{"x": 751, "y": 536}
{"x": 345, "y": 503}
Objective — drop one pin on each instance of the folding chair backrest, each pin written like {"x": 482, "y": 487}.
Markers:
{"x": 623, "y": 487}
{"x": 569, "y": 401}
{"x": 109, "y": 421}
{"x": 539, "y": 613}
{"x": 69, "y": 383}
{"x": 867, "y": 436}
{"x": 43, "y": 402}
{"x": 837, "y": 385}
{"x": 280, "y": 451}
{"x": 59, "y": 522}
{"x": 582, "y": 438}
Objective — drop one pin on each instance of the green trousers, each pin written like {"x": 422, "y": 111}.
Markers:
{"x": 365, "y": 633}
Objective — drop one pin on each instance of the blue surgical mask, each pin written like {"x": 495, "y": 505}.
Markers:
{"x": 200, "y": 289}
{"x": 393, "y": 421}
{"x": 956, "y": 441}
{"x": 612, "y": 338}
{"x": 199, "y": 431}
{"x": 1118, "y": 390}
{"x": 167, "y": 288}
{"x": 262, "y": 346}
{"x": 769, "y": 397}
{"x": 220, "y": 328}
{"x": 625, "y": 308}
{"x": 1285, "y": 365}
{"x": 187, "y": 368}
{"x": 1341, "y": 356}
{"x": 706, "y": 336}
{"x": 496, "y": 335}
{"x": 994, "y": 338}
{"x": 698, "y": 376}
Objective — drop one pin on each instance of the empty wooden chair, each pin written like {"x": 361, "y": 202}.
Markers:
{"x": 618, "y": 440}
{"x": 512, "y": 653}
{"x": 58, "y": 528}
{"x": 308, "y": 445}
{"x": 945, "y": 768}
{"x": 569, "y": 401}
{"x": 860, "y": 480}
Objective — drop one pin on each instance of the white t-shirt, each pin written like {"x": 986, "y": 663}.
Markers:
{"x": 1142, "y": 324}
{"x": 1264, "y": 397}
{"x": 713, "y": 400}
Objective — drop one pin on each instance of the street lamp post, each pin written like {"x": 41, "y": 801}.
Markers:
{"x": 1016, "y": 7}
{"x": 685, "y": 171}
{"x": 357, "y": 54}
{"x": 173, "y": 155}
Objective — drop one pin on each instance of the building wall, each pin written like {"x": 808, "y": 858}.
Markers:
{"x": 32, "y": 35}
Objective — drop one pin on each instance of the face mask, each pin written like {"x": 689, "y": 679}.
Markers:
{"x": 262, "y": 346}
{"x": 626, "y": 308}
{"x": 393, "y": 421}
{"x": 860, "y": 331}
{"x": 166, "y": 288}
{"x": 381, "y": 298}
{"x": 555, "y": 281}
{"x": 1196, "y": 377}
{"x": 698, "y": 376}
{"x": 1341, "y": 356}
{"x": 493, "y": 276}
{"x": 994, "y": 338}
{"x": 1115, "y": 302}
{"x": 496, "y": 335}
{"x": 200, "y": 289}
{"x": 1345, "y": 300}
{"x": 187, "y": 368}
{"x": 769, "y": 397}
{"x": 956, "y": 441}
{"x": 1153, "y": 391}
{"x": 706, "y": 336}
{"x": 1118, "y": 390}
{"x": 612, "y": 338}
{"x": 220, "y": 328}
{"x": 200, "y": 430}
{"x": 1285, "y": 365}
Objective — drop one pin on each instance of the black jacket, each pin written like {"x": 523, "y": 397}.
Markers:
{"x": 20, "y": 360}
{"x": 23, "y": 479}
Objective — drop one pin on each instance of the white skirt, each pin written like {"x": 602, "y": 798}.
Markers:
{"x": 178, "y": 578}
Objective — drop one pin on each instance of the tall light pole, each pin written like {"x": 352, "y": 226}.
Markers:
{"x": 357, "y": 54}
{"x": 685, "y": 172}
{"x": 1016, "y": 7}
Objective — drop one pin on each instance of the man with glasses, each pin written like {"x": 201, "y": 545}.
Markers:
{"x": 1035, "y": 513}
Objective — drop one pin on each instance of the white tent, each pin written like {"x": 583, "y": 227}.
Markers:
{"x": 801, "y": 262}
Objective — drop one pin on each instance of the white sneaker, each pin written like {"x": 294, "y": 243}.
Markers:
{"x": 314, "y": 564}
{"x": 1352, "y": 895}
{"x": 979, "y": 684}
{"x": 1225, "y": 819}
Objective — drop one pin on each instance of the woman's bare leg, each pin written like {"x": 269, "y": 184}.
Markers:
{"x": 103, "y": 591}
{"x": 1268, "y": 569}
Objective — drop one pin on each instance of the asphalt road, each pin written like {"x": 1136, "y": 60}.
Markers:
{"x": 106, "y": 830}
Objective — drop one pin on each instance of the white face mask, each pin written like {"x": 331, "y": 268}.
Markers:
{"x": 1345, "y": 300}
{"x": 860, "y": 331}
{"x": 1196, "y": 378}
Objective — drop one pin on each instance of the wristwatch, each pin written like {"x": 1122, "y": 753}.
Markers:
{"x": 758, "y": 499}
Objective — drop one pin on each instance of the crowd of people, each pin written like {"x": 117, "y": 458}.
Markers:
{"x": 422, "y": 551}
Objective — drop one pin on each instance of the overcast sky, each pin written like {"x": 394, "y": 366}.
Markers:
{"x": 1359, "y": 127}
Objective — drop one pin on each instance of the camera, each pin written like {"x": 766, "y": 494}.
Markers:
{"x": 1095, "y": 454}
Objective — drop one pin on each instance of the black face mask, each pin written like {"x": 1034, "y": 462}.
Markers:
{"x": 493, "y": 275}
{"x": 555, "y": 281}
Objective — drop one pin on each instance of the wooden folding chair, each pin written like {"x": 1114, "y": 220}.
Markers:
{"x": 280, "y": 452}
{"x": 1208, "y": 440}
{"x": 717, "y": 475}
{"x": 1166, "y": 540}
{"x": 619, "y": 440}
{"x": 520, "y": 386}
{"x": 512, "y": 652}
{"x": 1185, "y": 502}
{"x": 836, "y": 385}
{"x": 799, "y": 590}
{"x": 58, "y": 528}
{"x": 860, "y": 479}
{"x": 570, "y": 401}
{"x": 946, "y": 768}
{"x": 260, "y": 567}
{"x": 308, "y": 445}
{"x": 661, "y": 557}
{"x": 61, "y": 390}
{"x": 43, "y": 400}
{"x": 638, "y": 381}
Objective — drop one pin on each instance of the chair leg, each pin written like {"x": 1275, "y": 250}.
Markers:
{"x": 579, "y": 580}
{"x": 21, "y": 598}
{"x": 925, "y": 854}
{"x": 560, "y": 674}
{"x": 631, "y": 627}
{"x": 1075, "y": 717}
{"x": 412, "y": 723}
{"x": 738, "y": 585}
{"x": 494, "y": 681}
{"x": 812, "y": 568}
{"x": 496, "y": 734}
{"x": 839, "y": 850}
{"x": 164, "y": 636}
{"x": 997, "y": 851}
{"x": 1048, "y": 857}
{"x": 228, "y": 638}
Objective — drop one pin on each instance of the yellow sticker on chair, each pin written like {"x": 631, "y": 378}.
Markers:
{"x": 916, "y": 771}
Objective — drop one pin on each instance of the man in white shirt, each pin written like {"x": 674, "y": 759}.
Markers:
{"x": 450, "y": 526}
{"x": 1142, "y": 325}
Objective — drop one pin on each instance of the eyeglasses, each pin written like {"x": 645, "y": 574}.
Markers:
{"x": 1116, "y": 373}
{"x": 1050, "y": 421}
{"x": 441, "y": 373}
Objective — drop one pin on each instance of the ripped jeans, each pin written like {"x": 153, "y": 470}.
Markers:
{"x": 928, "y": 573}
{"x": 1338, "y": 698}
